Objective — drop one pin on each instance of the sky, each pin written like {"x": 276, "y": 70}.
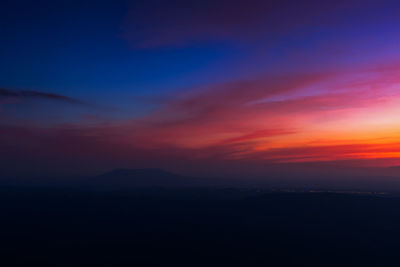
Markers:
{"x": 212, "y": 87}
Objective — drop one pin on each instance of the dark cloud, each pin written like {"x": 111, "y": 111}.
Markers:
{"x": 155, "y": 23}
{"x": 26, "y": 94}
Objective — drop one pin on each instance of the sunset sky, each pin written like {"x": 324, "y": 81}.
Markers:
{"x": 198, "y": 87}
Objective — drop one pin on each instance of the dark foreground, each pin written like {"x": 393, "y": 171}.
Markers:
{"x": 53, "y": 227}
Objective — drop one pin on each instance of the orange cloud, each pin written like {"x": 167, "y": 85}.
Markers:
{"x": 292, "y": 118}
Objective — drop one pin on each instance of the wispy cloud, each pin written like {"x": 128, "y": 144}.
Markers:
{"x": 27, "y": 94}
{"x": 292, "y": 118}
{"x": 280, "y": 119}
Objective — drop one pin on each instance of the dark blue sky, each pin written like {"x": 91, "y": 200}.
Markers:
{"x": 77, "y": 48}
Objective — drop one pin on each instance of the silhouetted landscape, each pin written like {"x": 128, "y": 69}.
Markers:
{"x": 149, "y": 222}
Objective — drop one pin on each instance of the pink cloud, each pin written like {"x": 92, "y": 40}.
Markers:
{"x": 270, "y": 120}
{"x": 230, "y": 120}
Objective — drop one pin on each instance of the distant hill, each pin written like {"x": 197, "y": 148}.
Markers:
{"x": 144, "y": 178}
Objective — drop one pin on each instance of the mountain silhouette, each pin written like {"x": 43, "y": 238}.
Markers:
{"x": 143, "y": 178}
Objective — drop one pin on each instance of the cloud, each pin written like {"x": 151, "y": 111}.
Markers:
{"x": 295, "y": 117}
{"x": 26, "y": 94}
{"x": 155, "y": 23}
{"x": 318, "y": 153}
{"x": 337, "y": 116}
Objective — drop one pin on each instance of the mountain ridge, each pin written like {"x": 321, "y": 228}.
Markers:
{"x": 144, "y": 177}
